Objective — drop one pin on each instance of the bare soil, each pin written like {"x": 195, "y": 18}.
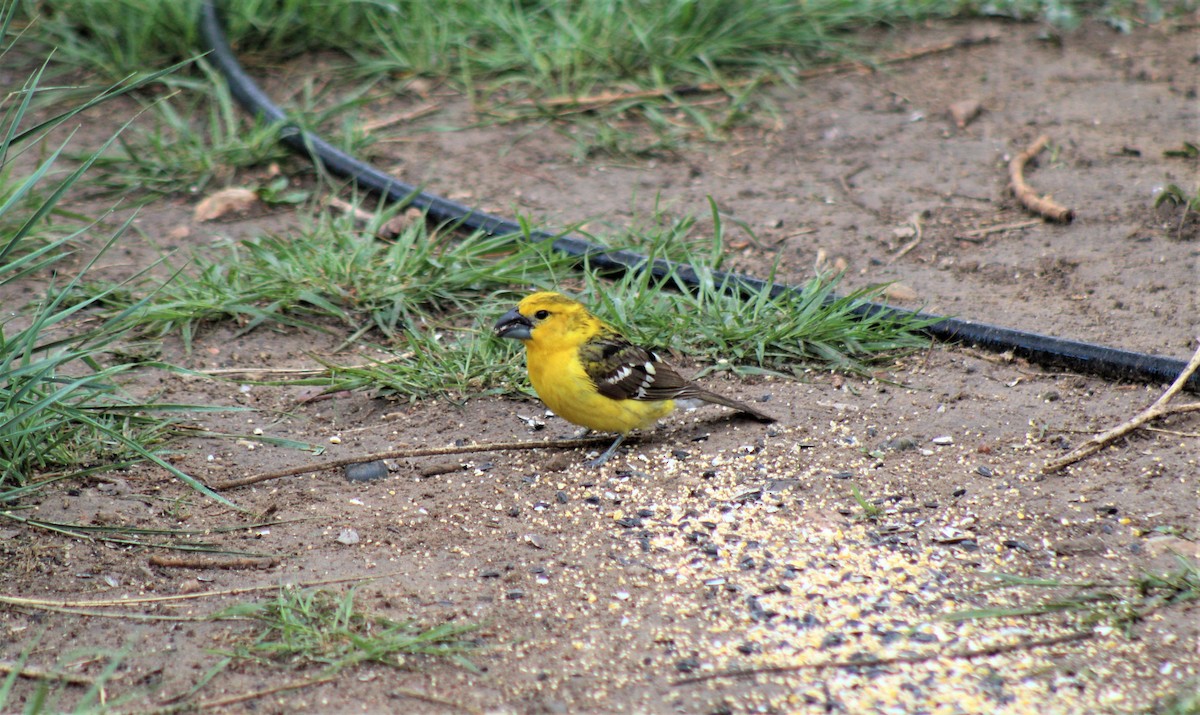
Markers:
{"x": 714, "y": 544}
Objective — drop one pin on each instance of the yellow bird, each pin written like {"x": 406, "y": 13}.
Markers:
{"x": 589, "y": 374}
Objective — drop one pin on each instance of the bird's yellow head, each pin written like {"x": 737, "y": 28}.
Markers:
{"x": 546, "y": 317}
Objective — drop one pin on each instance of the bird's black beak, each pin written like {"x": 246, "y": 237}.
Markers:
{"x": 514, "y": 325}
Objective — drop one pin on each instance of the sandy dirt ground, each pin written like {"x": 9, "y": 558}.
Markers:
{"x": 713, "y": 546}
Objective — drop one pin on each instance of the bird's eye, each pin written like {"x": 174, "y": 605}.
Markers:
{"x": 542, "y": 314}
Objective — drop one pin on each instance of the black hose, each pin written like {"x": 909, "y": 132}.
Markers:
{"x": 1042, "y": 349}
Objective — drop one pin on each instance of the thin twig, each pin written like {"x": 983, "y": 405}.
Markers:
{"x": 384, "y": 122}
{"x": 403, "y": 453}
{"x": 206, "y": 562}
{"x": 239, "y": 698}
{"x": 905, "y": 56}
{"x": 1160, "y": 408}
{"x": 844, "y": 183}
{"x": 976, "y": 234}
{"x": 32, "y": 673}
{"x": 1029, "y": 198}
{"x": 985, "y": 652}
{"x": 915, "y": 222}
{"x": 296, "y": 371}
{"x": 433, "y": 700}
{"x": 47, "y": 603}
{"x": 1174, "y": 432}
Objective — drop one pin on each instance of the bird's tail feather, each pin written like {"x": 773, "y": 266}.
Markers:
{"x": 702, "y": 395}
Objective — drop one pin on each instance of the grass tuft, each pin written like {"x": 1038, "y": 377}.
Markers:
{"x": 304, "y": 627}
{"x": 334, "y": 270}
{"x": 1118, "y": 606}
{"x": 61, "y": 411}
{"x": 786, "y": 333}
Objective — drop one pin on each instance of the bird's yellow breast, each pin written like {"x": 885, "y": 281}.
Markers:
{"x": 561, "y": 382}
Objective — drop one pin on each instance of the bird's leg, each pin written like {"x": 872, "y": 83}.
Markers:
{"x": 607, "y": 453}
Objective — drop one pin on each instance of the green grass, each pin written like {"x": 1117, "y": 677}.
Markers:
{"x": 871, "y": 510}
{"x": 62, "y": 413}
{"x": 432, "y": 298}
{"x": 1120, "y": 606}
{"x": 334, "y": 275}
{"x": 549, "y": 47}
{"x": 54, "y": 693}
{"x": 315, "y": 627}
{"x": 508, "y": 57}
{"x": 1117, "y": 605}
{"x": 745, "y": 333}
{"x": 1184, "y": 701}
{"x": 193, "y": 140}
{"x": 429, "y": 297}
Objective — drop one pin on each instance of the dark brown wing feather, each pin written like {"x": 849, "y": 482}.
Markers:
{"x": 624, "y": 371}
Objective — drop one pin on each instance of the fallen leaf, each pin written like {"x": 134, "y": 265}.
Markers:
{"x": 223, "y": 203}
{"x": 398, "y": 224}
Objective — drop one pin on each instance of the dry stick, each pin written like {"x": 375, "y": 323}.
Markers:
{"x": 1026, "y": 195}
{"x": 208, "y": 562}
{"x": 46, "y": 603}
{"x": 234, "y": 699}
{"x": 385, "y": 122}
{"x": 91, "y": 613}
{"x": 597, "y": 100}
{"x": 434, "y": 700}
{"x": 295, "y": 371}
{"x": 898, "y": 660}
{"x": 240, "y": 698}
{"x": 39, "y": 674}
{"x": 1160, "y": 408}
{"x": 402, "y": 454}
{"x": 976, "y": 234}
{"x": 915, "y": 222}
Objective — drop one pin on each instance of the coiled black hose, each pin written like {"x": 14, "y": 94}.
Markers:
{"x": 1042, "y": 349}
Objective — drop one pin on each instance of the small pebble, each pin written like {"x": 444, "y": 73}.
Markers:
{"x": 899, "y": 444}
{"x": 365, "y": 471}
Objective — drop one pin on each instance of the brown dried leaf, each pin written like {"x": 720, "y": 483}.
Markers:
{"x": 224, "y": 203}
